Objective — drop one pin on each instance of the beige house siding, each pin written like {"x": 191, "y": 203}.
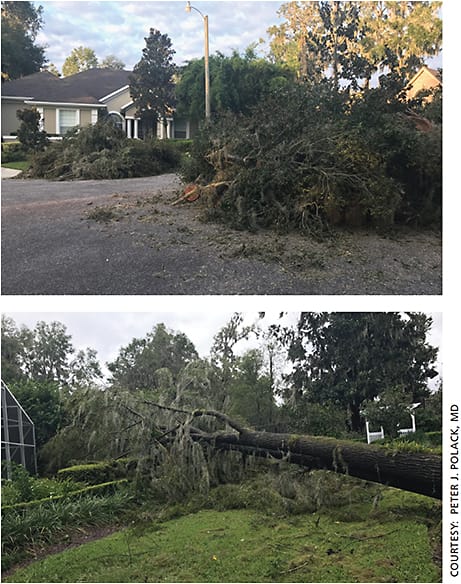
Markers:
{"x": 49, "y": 123}
{"x": 116, "y": 103}
{"x": 85, "y": 117}
{"x": 424, "y": 80}
{"x": 10, "y": 122}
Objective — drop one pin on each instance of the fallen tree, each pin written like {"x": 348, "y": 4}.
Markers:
{"x": 411, "y": 471}
{"x": 179, "y": 450}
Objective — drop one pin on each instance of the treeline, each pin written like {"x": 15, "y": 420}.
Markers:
{"x": 319, "y": 377}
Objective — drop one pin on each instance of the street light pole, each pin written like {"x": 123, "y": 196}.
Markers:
{"x": 207, "y": 59}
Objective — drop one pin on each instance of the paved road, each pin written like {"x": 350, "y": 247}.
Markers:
{"x": 50, "y": 247}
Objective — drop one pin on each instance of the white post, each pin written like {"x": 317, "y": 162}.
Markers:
{"x": 128, "y": 127}
{"x": 136, "y": 121}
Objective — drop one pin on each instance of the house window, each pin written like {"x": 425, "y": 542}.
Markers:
{"x": 67, "y": 119}
{"x": 181, "y": 129}
{"x": 117, "y": 120}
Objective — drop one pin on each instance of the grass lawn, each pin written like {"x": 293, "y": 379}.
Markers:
{"x": 18, "y": 165}
{"x": 350, "y": 544}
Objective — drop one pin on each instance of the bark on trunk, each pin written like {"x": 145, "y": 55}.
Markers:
{"x": 415, "y": 472}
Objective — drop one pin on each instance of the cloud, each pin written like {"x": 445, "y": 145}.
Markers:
{"x": 119, "y": 28}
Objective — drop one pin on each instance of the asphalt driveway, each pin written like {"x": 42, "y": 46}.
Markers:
{"x": 123, "y": 237}
{"x": 50, "y": 247}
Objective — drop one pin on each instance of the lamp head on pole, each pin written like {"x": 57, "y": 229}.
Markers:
{"x": 188, "y": 7}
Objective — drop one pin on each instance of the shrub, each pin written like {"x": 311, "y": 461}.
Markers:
{"x": 13, "y": 152}
{"x": 24, "y": 528}
{"x": 30, "y": 136}
{"x": 13, "y": 492}
{"x": 103, "y": 152}
{"x": 70, "y": 490}
{"x": 99, "y": 472}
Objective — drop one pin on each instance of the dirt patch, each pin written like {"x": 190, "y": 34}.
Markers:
{"x": 403, "y": 261}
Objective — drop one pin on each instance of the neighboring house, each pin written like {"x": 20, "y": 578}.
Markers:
{"x": 78, "y": 100}
{"x": 426, "y": 78}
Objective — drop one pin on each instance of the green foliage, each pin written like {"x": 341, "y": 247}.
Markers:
{"x": 13, "y": 152}
{"x": 307, "y": 417}
{"x": 294, "y": 163}
{"x": 251, "y": 395}
{"x": 346, "y": 359}
{"x": 419, "y": 441}
{"x": 24, "y": 488}
{"x": 243, "y": 545}
{"x": 392, "y": 411}
{"x": 68, "y": 446}
{"x": 102, "y": 151}
{"x": 21, "y": 21}
{"x": 30, "y": 136}
{"x": 355, "y": 40}
{"x": 42, "y": 524}
{"x": 80, "y": 59}
{"x": 99, "y": 472}
{"x": 42, "y": 402}
{"x": 68, "y": 490}
{"x": 45, "y": 354}
{"x": 151, "y": 84}
{"x": 237, "y": 84}
{"x": 137, "y": 364}
{"x": 411, "y": 158}
{"x": 112, "y": 62}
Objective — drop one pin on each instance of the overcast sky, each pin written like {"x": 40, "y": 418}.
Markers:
{"x": 107, "y": 332}
{"x": 119, "y": 27}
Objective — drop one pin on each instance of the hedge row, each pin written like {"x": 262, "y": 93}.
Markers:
{"x": 101, "y": 488}
{"x": 99, "y": 472}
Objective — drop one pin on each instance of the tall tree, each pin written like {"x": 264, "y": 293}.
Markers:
{"x": 353, "y": 40}
{"x": 238, "y": 83}
{"x": 112, "y": 62}
{"x": 251, "y": 393}
{"x": 400, "y": 35}
{"x": 152, "y": 81}
{"x": 21, "y": 21}
{"x": 80, "y": 59}
{"x": 138, "y": 364}
{"x": 46, "y": 354}
{"x": 348, "y": 358}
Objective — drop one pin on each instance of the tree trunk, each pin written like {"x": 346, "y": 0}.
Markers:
{"x": 410, "y": 471}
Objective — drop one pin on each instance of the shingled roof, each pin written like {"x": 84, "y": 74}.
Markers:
{"x": 87, "y": 87}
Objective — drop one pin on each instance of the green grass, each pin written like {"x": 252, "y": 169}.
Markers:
{"x": 354, "y": 543}
{"x": 18, "y": 165}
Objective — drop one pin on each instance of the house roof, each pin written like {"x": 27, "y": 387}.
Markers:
{"x": 87, "y": 87}
{"x": 425, "y": 70}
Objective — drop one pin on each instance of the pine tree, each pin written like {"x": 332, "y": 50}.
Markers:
{"x": 151, "y": 84}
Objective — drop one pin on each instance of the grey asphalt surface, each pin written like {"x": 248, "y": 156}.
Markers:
{"x": 50, "y": 248}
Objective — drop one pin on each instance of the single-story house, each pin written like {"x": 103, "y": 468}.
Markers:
{"x": 426, "y": 78}
{"x": 78, "y": 100}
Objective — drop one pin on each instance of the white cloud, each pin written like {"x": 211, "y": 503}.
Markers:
{"x": 116, "y": 27}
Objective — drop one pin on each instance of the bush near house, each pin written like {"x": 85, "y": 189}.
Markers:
{"x": 102, "y": 151}
{"x": 13, "y": 152}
